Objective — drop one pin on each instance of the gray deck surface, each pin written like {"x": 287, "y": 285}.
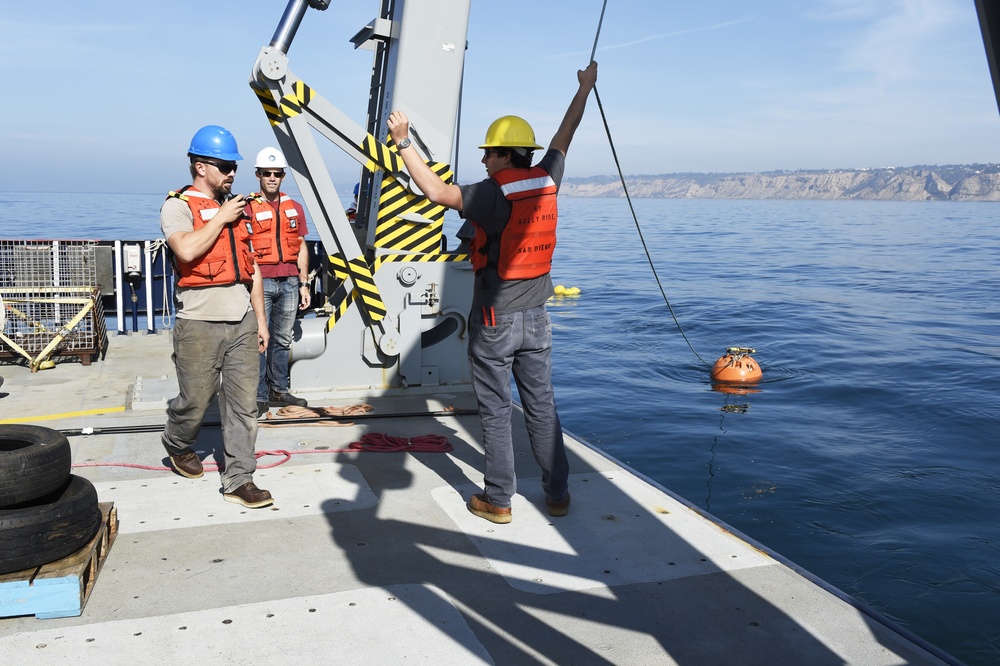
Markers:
{"x": 373, "y": 558}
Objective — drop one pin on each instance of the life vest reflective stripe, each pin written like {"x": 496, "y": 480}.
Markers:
{"x": 526, "y": 244}
{"x": 275, "y": 243}
{"x": 229, "y": 260}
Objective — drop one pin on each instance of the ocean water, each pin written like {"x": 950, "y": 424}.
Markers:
{"x": 869, "y": 453}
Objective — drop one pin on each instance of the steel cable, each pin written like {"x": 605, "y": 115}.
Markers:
{"x": 628, "y": 198}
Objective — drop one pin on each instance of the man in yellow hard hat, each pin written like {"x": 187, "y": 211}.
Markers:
{"x": 514, "y": 213}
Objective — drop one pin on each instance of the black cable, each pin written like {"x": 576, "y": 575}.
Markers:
{"x": 652, "y": 267}
{"x": 635, "y": 218}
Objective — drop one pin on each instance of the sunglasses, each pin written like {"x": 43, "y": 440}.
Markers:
{"x": 270, "y": 174}
{"x": 223, "y": 167}
{"x": 487, "y": 151}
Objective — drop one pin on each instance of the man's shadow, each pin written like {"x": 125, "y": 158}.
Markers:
{"x": 416, "y": 550}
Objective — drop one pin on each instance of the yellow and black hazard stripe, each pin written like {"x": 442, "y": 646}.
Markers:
{"x": 295, "y": 103}
{"x": 380, "y": 155}
{"x": 392, "y": 232}
{"x": 342, "y": 298}
{"x": 340, "y": 301}
{"x": 271, "y": 110}
{"x": 441, "y": 257}
{"x": 361, "y": 275}
{"x": 369, "y": 300}
{"x": 338, "y": 265}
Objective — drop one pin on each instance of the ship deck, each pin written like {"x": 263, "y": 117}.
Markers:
{"x": 372, "y": 557}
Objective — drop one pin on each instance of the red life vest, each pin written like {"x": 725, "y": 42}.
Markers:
{"x": 275, "y": 242}
{"x": 527, "y": 242}
{"x": 229, "y": 260}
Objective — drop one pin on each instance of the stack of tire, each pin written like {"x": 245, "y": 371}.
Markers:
{"x": 46, "y": 513}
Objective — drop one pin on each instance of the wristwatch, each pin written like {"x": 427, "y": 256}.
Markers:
{"x": 405, "y": 143}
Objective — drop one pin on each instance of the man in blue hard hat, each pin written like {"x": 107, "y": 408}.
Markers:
{"x": 514, "y": 213}
{"x": 221, "y": 329}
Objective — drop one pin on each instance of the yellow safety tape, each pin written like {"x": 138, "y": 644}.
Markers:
{"x": 65, "y": 415}
{"x": 442, "y": 257}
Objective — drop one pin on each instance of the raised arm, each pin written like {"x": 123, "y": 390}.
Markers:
{"x": 574, "y": 114}
{"x": 190, "y": 245}
{"x": 434, "y": 188}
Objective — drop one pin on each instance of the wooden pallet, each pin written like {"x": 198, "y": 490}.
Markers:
{"x": 60, "y": 588}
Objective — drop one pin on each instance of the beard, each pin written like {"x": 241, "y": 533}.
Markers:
{"x": 223, "y": 189}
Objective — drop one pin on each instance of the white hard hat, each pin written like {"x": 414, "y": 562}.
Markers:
{"x": 270, "y": 158}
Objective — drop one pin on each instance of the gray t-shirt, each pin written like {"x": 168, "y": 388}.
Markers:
{"x": 223, "y": 303}
{"x": 484, "y": 204}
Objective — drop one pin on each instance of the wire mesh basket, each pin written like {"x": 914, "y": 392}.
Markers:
{"x": 51, "y": 299}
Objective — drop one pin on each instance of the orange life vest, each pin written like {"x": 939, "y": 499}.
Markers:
{"x": 527, "y": 242}
{"x": 275, "y": 242}
{"x": 229, "y": 260}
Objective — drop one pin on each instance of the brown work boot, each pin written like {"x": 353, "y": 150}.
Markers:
{"x": 558, "y": 509}
{"x": 495, "y": 514}
{"x": 285, "y": 400}
{"x": 250, "y": 496}
{"x": 187, "y": 464}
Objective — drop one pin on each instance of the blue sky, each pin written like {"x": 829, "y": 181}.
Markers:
{"x": 105, "y": 96}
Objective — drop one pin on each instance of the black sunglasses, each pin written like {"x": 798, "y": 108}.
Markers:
{"x": 223, "y": 167}
{"x": 268, "y": 174}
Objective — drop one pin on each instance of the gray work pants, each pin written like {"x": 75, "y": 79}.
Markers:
{"x": 214, "y": 356}
{"x": 518, "y": 342}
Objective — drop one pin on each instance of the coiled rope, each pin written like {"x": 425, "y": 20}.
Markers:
{"x": 635, "y": 218}
{"x": 291, "y": 412}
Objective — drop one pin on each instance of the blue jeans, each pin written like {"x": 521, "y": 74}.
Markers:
{"x": 212, "y": 356}
{"x": 520, "y": 342}
{"x": 281, "y": 301}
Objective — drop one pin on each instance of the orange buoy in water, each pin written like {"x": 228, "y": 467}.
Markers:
{"x": 737, "y": 367}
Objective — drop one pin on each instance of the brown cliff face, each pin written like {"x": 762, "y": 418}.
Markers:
{"x": 920, "y": 183}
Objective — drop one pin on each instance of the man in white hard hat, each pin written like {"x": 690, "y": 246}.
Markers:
{"x": 514, "y": 213}
{"x": 279, "y": 225}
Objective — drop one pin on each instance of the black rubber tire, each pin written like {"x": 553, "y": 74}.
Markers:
{"x": 34, "y": 461}
{"x": 50, "y": 527}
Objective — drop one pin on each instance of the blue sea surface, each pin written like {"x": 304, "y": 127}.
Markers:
{"x": 868, "y": 455}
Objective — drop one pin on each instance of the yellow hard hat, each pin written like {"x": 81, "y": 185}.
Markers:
{"x": 510, "y": 132}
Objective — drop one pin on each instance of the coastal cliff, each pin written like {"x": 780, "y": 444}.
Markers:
{"x": 975, "y": 182}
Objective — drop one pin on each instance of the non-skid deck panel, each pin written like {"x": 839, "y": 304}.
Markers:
{"x": 414, "y": 624}
{"x": 173, "y": 502}
{"x": 619, "y": 531}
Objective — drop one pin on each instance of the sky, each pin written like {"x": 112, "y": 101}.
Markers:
{"x": 105, "y": 96}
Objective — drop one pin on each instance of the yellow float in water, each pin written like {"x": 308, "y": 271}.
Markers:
{"x": 566, "y": 291}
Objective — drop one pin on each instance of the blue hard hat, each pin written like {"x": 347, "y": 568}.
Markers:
{"x": 214, "y": 141}
{"x": 357, "y": 186}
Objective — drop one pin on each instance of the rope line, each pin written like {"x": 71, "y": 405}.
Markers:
{"x": 373, "y": 442}
{"x": 635, "y": 218}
